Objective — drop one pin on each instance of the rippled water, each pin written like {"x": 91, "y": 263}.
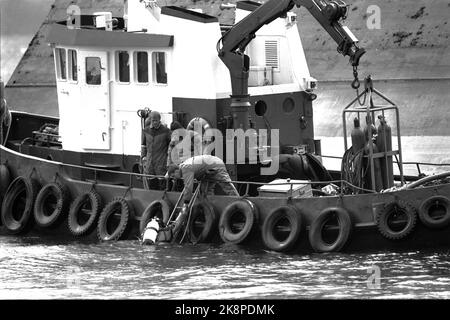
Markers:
{"x": 32, "y": 268}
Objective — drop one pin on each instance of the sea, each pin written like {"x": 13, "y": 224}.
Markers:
{"x": 35, "y": 268}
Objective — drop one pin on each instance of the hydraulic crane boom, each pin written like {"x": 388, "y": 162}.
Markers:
{"x": 232, "y": 45}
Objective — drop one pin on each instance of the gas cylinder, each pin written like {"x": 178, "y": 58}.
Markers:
{"x": 384, "y": 143}
{"x": 151, "y": 232}
{"x": 366, "y": 129}
{"x": 358, "y": 140}
{"x": 377, "y": 169}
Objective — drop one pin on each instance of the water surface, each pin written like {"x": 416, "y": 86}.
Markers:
{"x": 33, "y": 268}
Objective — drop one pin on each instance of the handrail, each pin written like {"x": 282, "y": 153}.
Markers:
{"x": 411, "y": 162}
{"x": 417, "y": 164}
{"x": 133, "y": 174}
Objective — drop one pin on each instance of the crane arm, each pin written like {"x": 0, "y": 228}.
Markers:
{"x": 231, "y": 46}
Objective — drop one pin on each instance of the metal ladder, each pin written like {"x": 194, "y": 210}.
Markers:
{"x": 184, "y": 223}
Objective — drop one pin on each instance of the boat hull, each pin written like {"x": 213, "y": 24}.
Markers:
{"x": 361, "y": 208}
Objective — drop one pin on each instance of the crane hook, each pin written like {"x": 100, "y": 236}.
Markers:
{"x": 355, "y": 84}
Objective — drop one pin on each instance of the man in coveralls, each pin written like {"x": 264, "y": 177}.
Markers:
{"x": 209, "y": 170}
{"x": 155, "y": 142}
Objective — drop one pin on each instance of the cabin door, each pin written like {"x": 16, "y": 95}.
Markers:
{"x": 95, "y": 101}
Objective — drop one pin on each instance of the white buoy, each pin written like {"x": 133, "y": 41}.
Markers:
{"x": 151, "y": 232}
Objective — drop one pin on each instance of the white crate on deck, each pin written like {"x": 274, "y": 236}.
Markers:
{"x": 282, "y": 188}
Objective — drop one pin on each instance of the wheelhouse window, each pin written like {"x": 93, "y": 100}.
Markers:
{"x": 93, "y": 71}
{"x": 61, "y": 63}
{"x": 123, "y": 66}
{"x": 73, "y": 65}
{"x": 159, "y": 67}
{"x": 141, "y": 63}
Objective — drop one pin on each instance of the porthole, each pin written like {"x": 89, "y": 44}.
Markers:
{"x": 288, "y": 105}
{"x": 260, "y": 108}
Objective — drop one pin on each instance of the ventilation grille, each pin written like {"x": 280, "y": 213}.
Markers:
{"x": 272, "y": 59}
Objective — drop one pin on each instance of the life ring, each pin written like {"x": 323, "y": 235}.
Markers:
{"x": 17, "y": 206}
{"x": 237, "y": 220}
{"x": 203, "y": 122}
{"x": 317, "y": 237}
{"x": 160, "y": 209}
{"x": 388, "y": 223}
{"x": 284, "y": 217}
{"x": 84, "y": 212}
{"x": 203, "y": 222}
{"x": 51, "y": 205}
{"x": 5, "y": 179}
{"x": 117, "y": 206}
{"x": 432, "y": 205}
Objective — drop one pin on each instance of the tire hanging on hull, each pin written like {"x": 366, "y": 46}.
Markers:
{"x": 391, "y": 220}
{"x": 274, "y": 228}
{"x": 17, "y": 206}
{"x": 86, "y": 204}
{"x": 51, "y": 205}
{"x": 316, "y": 235}
{"x": 203, "y": 222}
{"x": 237, "y": 221}
{"x": 434, "y": 212}
{"x": 117, "y": 206}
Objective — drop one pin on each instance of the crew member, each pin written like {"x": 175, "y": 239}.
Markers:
{"x": 155, "y": 142}
{"x": 207, "y": 169}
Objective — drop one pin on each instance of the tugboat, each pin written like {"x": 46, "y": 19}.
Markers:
{"x": 80, "y": 175}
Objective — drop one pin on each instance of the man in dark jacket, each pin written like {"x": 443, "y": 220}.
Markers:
{"x": 155, "y": 142}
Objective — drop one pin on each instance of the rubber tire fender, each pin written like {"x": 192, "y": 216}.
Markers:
{"x": 206, "y": 209}
{"x": 250, "y": 212}
{"x": 60, "y": 192}
{"x": 116, "y": 205}
{"x": 162, "y": 210}
{"x": 424, "y": 212}
{"x": 95, "y": 201}
{"x": 294, "y": 216}
{"x": 393, "y": 207}
{"x": 16, "y": 188}
{"x": 345, "y": 228}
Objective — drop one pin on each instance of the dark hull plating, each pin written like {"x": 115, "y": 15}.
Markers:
{"x": 361, "y": 208}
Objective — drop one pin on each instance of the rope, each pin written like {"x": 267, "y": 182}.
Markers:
{"x": 352, "y": 168}
{"x": 126, "y": 191}
{"x": 92, "y": 187}
{"x": 31, "y": 172}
